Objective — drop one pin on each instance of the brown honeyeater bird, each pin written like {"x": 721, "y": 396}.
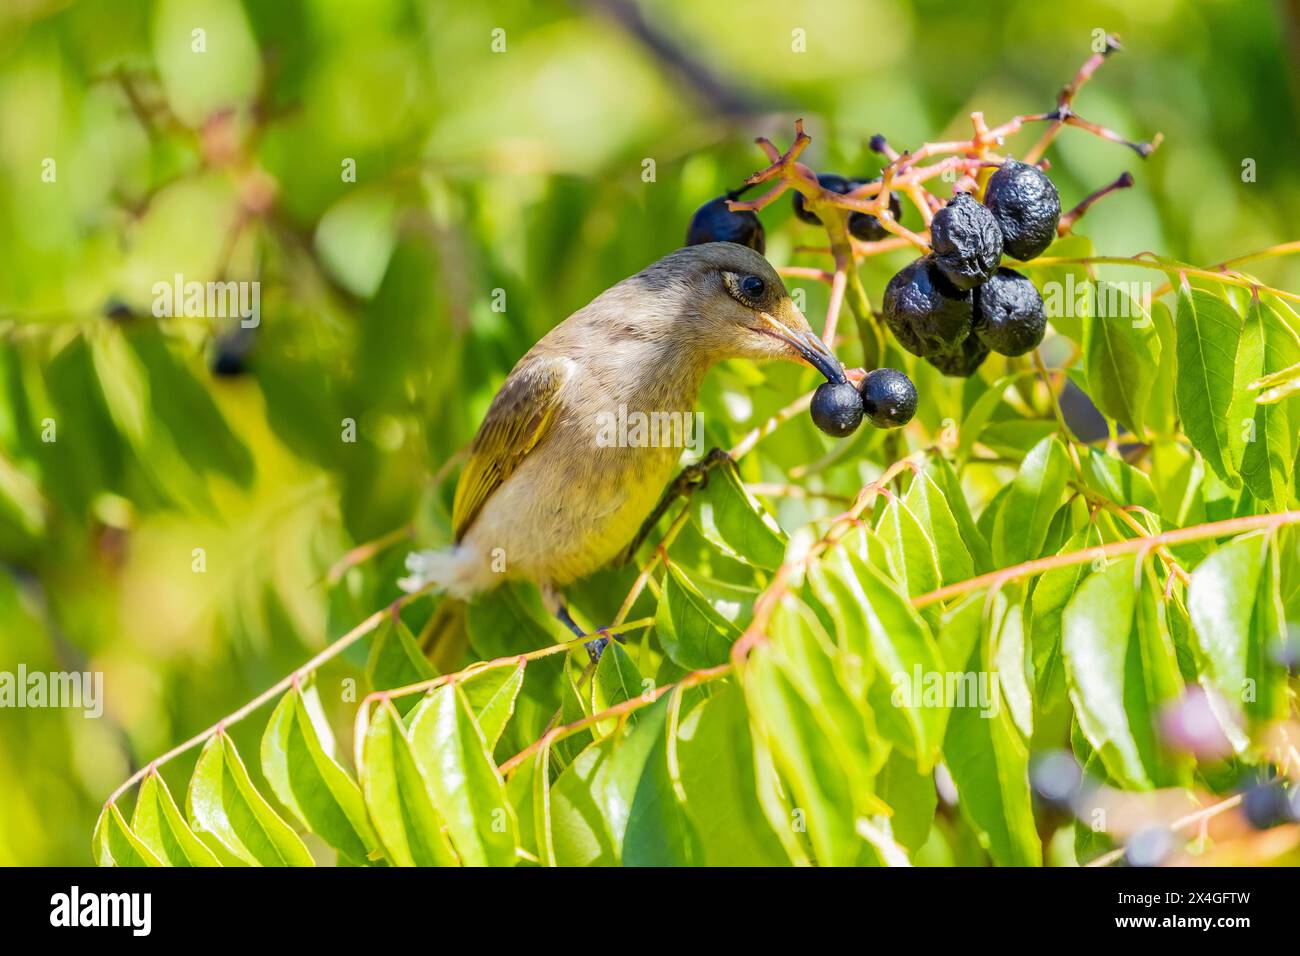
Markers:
{"x": 541, "y": 497}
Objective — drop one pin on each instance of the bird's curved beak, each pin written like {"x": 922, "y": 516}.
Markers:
{"x": 806, "y": 344}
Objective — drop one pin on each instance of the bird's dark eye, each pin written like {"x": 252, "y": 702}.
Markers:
{"x": 752, "y": 286}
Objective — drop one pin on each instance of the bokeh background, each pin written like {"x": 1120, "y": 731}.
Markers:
{"x": 477, "y": 169}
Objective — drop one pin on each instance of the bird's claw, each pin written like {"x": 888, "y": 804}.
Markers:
{"x": 596, "y": 646}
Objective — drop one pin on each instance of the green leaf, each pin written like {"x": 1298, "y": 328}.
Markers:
{"x": 1237, "y": 618}
{"x": 1020, "y": 527}
{"x": 616, "y": 680}
{"x": 717, "y": 777}
{"x": 1121, "y": 666}
{"x": 692, "y": 632}
{"x": 397, "y": 661}
{"x": 492, "y": 692}
{"x": 732, "y": 520}
{"x": 1050, "y": 596}
{"x": 821, "y": 792}
{"x": 187, "y": 410}
{"x": 659, "y": 832}
{"x": 1117, "y": 480}
{"x": 223, "y": 803}
{"x": 113, "y": 843}
{"x": 986, "y": 756}
{"x": 592, "y": 799}
{"x": 901, "y": 647}
{"x": 1009, "y": 656}
{"x": 157, "y": 821}
{"x": 909, "y": 550}
{"x": 1208, "y": 334}
{"x": 1269, "y": 459}
{"x": 298, "y": 763}
{"x": 398, "y": 795}
{"x": 913, "y": 798}
{"x": 925, "y": 500}
{"x": 1121, "y": 355}
{"x": 467, "y": 789}
{"x": 949, "y": 485}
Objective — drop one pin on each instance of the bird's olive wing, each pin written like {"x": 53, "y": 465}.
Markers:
{"x": 518, "y": 420}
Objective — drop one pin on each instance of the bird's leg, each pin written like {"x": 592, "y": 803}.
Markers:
{"x": 693, "y": 476}
{"x": 554, "y": 602}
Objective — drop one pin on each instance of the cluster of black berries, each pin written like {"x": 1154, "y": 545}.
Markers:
{"x": 955, "y": 305}
{"x": 887, "y": 398}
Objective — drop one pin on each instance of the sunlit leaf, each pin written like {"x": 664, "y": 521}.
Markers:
{"x": 113, "y": 843}
{"x": 1208, "y": 334}
{"x": 157, "y": 821}
{"x": 307, "y": 779}
{"x": 223, "y": 803}
{"x": 467, "y": 790}
{"x": 1020, "y": 528}
{"x": 986, "y": 756}
{"x": 734, "y": 522}
{"x": 399, "y": 797}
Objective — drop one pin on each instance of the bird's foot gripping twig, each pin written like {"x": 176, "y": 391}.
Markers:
{"x": 691, "y": 477}
{"x": 594, "y": 647}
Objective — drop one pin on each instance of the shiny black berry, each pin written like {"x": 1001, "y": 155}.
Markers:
{"x": 926, "y": 313}
{"x": 960, "y": 361}
{"x": 888, "y": 398}
{"x": 867, "y": 227}
{"x": 714, "y": 222}
{"x": 837, "y": 408}
{"x": 966, "y": 240}
{"x": 1009, "y": 316}
{"x": 831, "y": 181}
{"x": 1026, "y": 206}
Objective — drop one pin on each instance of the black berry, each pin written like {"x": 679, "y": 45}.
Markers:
{"x": 867, "y": 227}
{"x": 837, "y": 408}
{"x": 1150, "y": 847}
{"x": 1009, "y": 316}
{"x": 924, "y": 311}
{"x": 835, "y": 183}
{"x": 966, "y": 240}
{"x": 961, "y": 360}
{"x": 888, "y": 398}
{"x": 714, "y": 222}
{"x": 1267, "y": 805}
{"x": 230, "y": 353}
{"x": 1026, "y": 206}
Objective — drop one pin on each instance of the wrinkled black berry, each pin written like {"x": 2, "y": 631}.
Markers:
{"x": 966, "y": 240}
{"x": 1009, "y": 316}
{"x": 837, "y": 408}
{"x": 1026, "y": 206}
{"x": 888, "y": 398}
{"x": 867, "y": 227}
{"x": 714, "y": 222}
{"x": 960, "y": 361}
{"x": 832, "y": 181}
{"x": 924, "y": 311}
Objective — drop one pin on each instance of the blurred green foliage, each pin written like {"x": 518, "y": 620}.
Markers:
{"x": 476, "y": 170}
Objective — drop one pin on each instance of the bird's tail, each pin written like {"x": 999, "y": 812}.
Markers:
{"x": 450, "y": 569}
{"x": 445, "y": 638}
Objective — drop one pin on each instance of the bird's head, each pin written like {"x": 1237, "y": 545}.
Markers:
{"x": 730, "y": 303}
